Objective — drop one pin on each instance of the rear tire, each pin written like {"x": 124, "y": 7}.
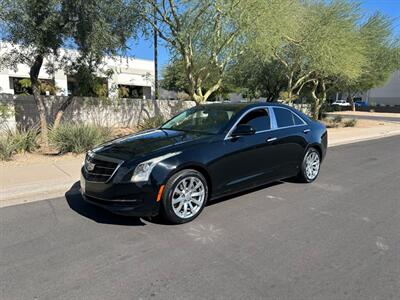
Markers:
{"x": 310, "y": 166}
{"x": 185, "y": 196}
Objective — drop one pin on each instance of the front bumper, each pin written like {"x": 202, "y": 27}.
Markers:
{"x": 128, "y": 199}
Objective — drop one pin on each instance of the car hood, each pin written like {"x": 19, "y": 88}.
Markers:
{"x": 145, "y": 143}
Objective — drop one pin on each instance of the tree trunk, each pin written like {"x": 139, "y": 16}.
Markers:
{"x": 319, "y": 98}
{"x": 34, "y": 76}
{"x": 212, "y": 90}
{"x": 61, "y": 111}
{"x": 315, "y": 108}
{"x": 197, "y": 95}
{"x": 350, "y": 98}
{"x": 290, "y": 88}
{"x": 196, "y": 98}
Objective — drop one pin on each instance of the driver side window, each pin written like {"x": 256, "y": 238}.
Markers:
{"x": 258, "y": 119}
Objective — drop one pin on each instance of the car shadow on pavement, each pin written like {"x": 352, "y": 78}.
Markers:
{"x": 100, "y": 215}
{"x": 95, "y": 213}
{"x": 243, "y": 193}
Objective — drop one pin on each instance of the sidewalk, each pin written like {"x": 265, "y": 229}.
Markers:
{"x": 342, "y": 136}
{"x": 32, "y": 181}
{"x": 28, "y": 182}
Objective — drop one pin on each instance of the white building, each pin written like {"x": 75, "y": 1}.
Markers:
{"x": 134, "y": 76}
{"x": 385, "y": 95}
{"x": 389, "y": 94}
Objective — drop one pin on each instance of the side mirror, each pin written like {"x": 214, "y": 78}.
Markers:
{"x": 242, "y": 130}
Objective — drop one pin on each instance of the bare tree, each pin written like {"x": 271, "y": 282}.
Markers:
{"x": 205, "y": 35}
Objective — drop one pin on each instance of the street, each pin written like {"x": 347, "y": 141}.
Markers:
{"x": 338, "y": 238}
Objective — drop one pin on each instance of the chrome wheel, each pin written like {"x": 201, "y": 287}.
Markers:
{"x": 312, "y": 165}
{"x": 188, "y": 197}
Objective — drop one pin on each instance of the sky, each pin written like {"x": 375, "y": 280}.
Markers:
{"x": 144, "y": 48}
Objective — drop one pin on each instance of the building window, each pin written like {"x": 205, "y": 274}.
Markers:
{"x": 23, "y": 86}
{"x": 96, "y": 88}
{"x": 131, "y": 91}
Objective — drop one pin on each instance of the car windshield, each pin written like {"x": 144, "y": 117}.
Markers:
{"x": 208, "y": 120}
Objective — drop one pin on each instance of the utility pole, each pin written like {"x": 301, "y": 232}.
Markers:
{"x": 155, "y": 32}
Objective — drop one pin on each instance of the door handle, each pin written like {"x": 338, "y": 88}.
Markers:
{"x": 271, "y": 140}
{"x": 307, "y": 130}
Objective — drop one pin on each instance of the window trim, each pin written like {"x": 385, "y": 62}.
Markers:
{"x": 228, "y": 135}
{"x": 296, "y": 114}
{"x": 273, "y": 123}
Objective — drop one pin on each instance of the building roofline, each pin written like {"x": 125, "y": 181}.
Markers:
{"x": 106, "y": 56}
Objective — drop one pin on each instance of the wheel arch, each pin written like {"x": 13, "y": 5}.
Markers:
{"x": 316, "y": 147}
{"x": 199, "y": 168}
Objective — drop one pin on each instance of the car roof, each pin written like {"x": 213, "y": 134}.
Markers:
{"x": 241, "y": 105}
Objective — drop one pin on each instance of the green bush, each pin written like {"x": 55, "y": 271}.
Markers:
{"x": 5, "y": 111}
{"x": 78, "y": 138}
{"x": 349, "y": 123}
{"x": 18, "y": 141}
{"x": 25, "y": 140}
{"x": 151, "y": 123}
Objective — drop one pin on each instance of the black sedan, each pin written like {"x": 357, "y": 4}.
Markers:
{"x": 204, "y": 153}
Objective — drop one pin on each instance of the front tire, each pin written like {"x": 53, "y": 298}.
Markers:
{"x": 310, "y": 166}
{"x": 185, "y": 196}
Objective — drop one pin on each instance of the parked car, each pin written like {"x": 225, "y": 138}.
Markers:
{"x": 341, "y": 103}
{"x": 202, "y": 154}
{"x": 360, "y": 104}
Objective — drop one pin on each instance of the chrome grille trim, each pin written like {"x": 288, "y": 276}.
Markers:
{"x": 100, "y": 158}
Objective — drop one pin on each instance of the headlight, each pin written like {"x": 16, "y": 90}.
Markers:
{"x": 90, "y": 154}
{"x": 143, "y": 170}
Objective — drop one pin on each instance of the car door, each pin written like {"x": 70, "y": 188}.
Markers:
{"x": 290, "y": 140}
{"x": 248, "y": 160}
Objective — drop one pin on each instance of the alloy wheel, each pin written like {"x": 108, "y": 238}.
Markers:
{"x": 188, "y": 197}
{"x": 312, "y": 165}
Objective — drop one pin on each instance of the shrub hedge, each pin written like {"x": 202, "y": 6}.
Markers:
{"x": 78, "y": 138}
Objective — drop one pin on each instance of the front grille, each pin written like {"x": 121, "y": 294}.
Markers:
{"x": 103, "y": 169}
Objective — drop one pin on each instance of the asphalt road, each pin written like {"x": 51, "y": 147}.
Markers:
{"x": 338, "y": 238}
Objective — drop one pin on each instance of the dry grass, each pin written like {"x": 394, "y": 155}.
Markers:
{"x": 339, "y": 122}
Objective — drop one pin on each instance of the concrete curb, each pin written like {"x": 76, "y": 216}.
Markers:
{"x": 40, "y": 191}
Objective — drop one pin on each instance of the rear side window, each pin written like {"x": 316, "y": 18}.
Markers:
{"x": 297, "y": 120}
{"x": 258, "y": 119}
{"x": 285, "y": 118}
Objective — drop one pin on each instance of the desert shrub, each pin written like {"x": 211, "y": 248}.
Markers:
{"x": 151, "y": 123}
{"x": 349, "y": 123}
{"x": 17, "y": 141}
{"x": 337, "y": 119}
{"x": 78, "y": 138}
{"x": 7, "y": 147}
{"x": 25, "y": 140}
{"x": 5, "y": 111}
{"x": 330, "y": 123}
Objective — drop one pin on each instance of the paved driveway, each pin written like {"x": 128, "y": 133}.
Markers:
{"x": 338, "y": 238}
